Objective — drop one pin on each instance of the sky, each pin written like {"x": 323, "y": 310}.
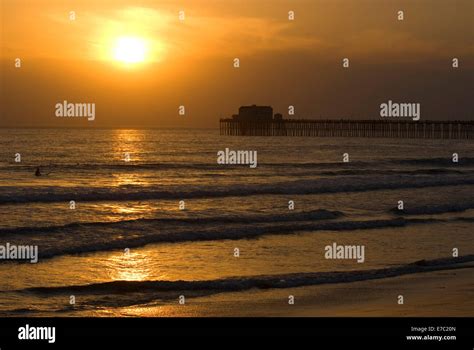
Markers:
{"x": 138, "y": 61}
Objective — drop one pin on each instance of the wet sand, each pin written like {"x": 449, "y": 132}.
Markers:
{"x": 440, "y": 293}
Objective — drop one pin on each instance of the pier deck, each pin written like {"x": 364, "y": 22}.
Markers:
{"x": 350, "y": 128}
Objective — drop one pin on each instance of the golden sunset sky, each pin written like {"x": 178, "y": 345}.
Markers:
{"x": 137, "y": 61}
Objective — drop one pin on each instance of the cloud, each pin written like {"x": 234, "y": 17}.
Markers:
{"x": 93, "y": 33}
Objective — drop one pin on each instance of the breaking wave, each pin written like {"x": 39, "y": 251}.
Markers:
{"x": 51, "y": 194}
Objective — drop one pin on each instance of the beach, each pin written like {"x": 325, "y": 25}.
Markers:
{"x": 149, "y": 223}
{"x": 426, "y": 295}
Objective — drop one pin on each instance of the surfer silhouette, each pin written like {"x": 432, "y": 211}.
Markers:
{"x": 38, "y": 171}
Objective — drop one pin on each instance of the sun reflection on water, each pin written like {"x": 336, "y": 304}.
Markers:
{"x": 129, "y": 266}
{"x": 123, "y": 180}
{"x": 127, "y": 142}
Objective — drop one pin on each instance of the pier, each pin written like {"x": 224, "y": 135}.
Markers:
{"x": 348, "y": 128}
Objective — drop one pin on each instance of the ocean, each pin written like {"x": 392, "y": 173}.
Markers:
{"x": 155, "y": 218}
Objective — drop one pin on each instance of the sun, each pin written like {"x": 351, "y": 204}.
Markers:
{"x": 130, "y": 50}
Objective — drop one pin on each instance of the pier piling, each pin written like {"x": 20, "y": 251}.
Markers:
{"x": 349, "y": 128}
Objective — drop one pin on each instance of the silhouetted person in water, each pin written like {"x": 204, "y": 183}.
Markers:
{"x": 38, "y": 172}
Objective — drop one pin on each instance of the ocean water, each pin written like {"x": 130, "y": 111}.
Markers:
{"x": 127, "y": 243}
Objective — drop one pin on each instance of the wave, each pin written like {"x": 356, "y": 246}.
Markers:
{"x": 436, "y": 209}
{"x": 429, "y": 171}
{"x": 445, "y": 161}
{"x": 437, "y": 161}
{"x": 116, "y": 236}
{"x": 163, "y": 289}
{"x": 51, "y": 194}
{"x": 123, "y": 166}
{"x": 319, "y": 214}
{"x": 36, "y": 311}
